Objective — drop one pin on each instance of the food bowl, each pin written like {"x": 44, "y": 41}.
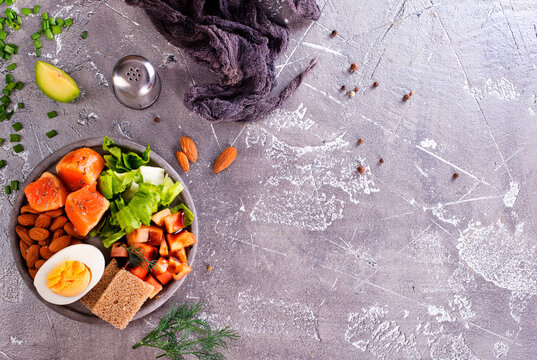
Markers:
{"x": 77, "y": 311}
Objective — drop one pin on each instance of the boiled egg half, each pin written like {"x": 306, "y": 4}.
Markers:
{"x": 69, "y": 274}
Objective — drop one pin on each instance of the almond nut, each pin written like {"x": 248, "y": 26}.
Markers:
{"x": 43, "y": 242}
{"x": 45, "y": 252}
{"x": 32, "y": 255}
{"x": 24, "y": 236}
{"x": 189, "y": 148}
{"x": 38, "y": 234}
{"x": 32, "y": 272}
{"x": 58, "y": 223}
{"x": 28, "y": 209}
{"x": 182, "y": 160}
{"x": 54, "y": 213}
{"x": 43, "y": 221}
{"x": 39, "y": 263}
{"x": 60, "y": 243}
{"x": 24, "y": 248}
{"x": 57, "y": 234}
{"x": 225, "y": 159}
{"x": 27, "y": 219}
{"x": 70, "y": 230}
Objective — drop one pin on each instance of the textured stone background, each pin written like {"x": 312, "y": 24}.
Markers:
{"x": 311, "y": 260}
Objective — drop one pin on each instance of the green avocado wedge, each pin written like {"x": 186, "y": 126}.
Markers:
{"x": 55, "y": 83}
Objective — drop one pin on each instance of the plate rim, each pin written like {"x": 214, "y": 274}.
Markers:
{"x": 43, "y": 166}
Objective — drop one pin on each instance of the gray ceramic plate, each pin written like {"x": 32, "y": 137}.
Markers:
{"x": 77, "y": 311}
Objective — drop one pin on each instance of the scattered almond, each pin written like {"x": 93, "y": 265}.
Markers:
{"x": 189, "y": 148}
{"x": 38, "y": 234}
{"x": 60, "y": 243}
{"x": 70, "y": 230}
{"x": 182, "y": 160}
{"x": 28, "y": 209}
{"x": 22, "y": 232}
{"x": 45, "y": 252}
{"x": 43, "y": 242}
{"x": 32, "y": 255}
{"x": 225, "y": 159}
{"x": 32, "y": 272}
{"x": 58, "y": 223}
{"x": 54, "y": 213}
{"x": 23, "y": 248}
{"x": 39, "y": 263}
{"x": 27, "y": 219}
{"x": 43, "y": 221}
{"x": 58, "y": 233}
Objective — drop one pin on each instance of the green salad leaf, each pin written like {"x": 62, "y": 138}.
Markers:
{"x": 189, "y": 216}
{"x": 123, "y": 162}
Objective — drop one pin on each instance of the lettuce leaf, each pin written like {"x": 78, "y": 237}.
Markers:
{"x": 123, "y": 162}
{"x": 169, "y": 191}
{"x": 189, "y": 216}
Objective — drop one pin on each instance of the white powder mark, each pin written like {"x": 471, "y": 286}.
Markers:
{"x": 531, "y": 111}
{"x": 405, "y": 314}
{"x": 428, "y": 144}
{"x": 451, "y": 347}
{"x": 439, "y": 313}
{"x": 322, "y": 48}
{"x": 500, "y": 349}
{"x": 10, "y": 284}
{"x": 501, "y": 88}
{"x": 463, "y": 306}
{"x": 422, "y": 172}
{"x": 14, "y": 340}
{"x": 438, "y": 211}
{"x": 280, "y": 119}
{"x": 510, "y": 196}
{"x": 99, "y": 74}
{"x": 504, "y": 257}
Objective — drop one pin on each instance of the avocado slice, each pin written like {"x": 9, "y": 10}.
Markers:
{"x": 55, "y": 83}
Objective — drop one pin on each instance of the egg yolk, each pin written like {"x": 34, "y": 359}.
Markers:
{"x": 69, "y": 278}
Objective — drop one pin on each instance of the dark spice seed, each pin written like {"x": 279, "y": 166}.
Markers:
{"x": 333, "y": 33}
{"x": 376, "y": 84}
{"x": 343, "y": 88}
{"x": 356, "y": 88}
{"x": 360, "y": 141}
{"x": 455, "y": 175}
{"x": 353, "y": 67}
{"x": 381, "y": 160}
{"x": 361, "y": 169}
{"x": 411, "y": 93}
{"x": 157, "y": 119}
{"x": 406, "y": 97}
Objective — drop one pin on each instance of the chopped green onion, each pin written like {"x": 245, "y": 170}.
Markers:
{"x": 44, "y": 16}
{"x": 52, "y": 114}
{"x": 9, "y": 2}
{"x": 5, "y": 100}
{"x": 10, "y": 86}
{"x": 1, "y": 141}
{"x": 18, "y": 148}
{"x": 20, "y": 105}
{"x": 37, "y": 43}
{"x": 60, "y": 21}
{"x": 56, "y": 29}
{"x": 51, "y": 134}
{"x": 36, "y": 9}
{"x": 9, "y": 78}
{"x": 48, "y": 34}
{"x": 19, "y": 20}
{"x": 38, "y": 52}
{"x": 10, "y": 114}
{"x": 19, "y": 85}
{"x": 26, "y": 11}
{"x": 3, "y": 35}
{"x": 6, "y": 92}
{"x": 17, "y": 126}
{"x": 68, "y": 22}
{"x": 2, "y": 117}
{"x": 84, "y": 34}
{"x": 9, "y": 49}
{"x": 7, "y": 190}
{"x": 12, "y": 67}
{"x": 36, "y": 35}
{"x": 2, "y": 163}
{"x": 14, "y": 138}
{"x": 14, "y": 185}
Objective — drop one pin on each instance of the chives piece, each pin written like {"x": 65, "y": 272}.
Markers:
{"x": 60, "y": 22}
{"x": 10, "y": 114}
{"x": 37, "y": 43}
{"x": 38, "y": 52}
{"x": 44, "y": 16}
{"x": 6, "y": 92}
{"x": 26, "y": 11}
{"x": 1, "y": 141}
{"x": 2, "y": 117}
{"x": 68, "y": 22}
{"x": 84, "y": 34}
{"x": 9, "y": 49}
{"x": 7, "y": 190}
{"x": 48, "y": 34}
{"x": 9, "y": 2}
{"x": 3, "y": 35}
{"x": 19, "y": 20}
{"x": 36, "y": 35}
{"x": 7, "y": 57}
{"x": 19, "y": 85}
{"x": 14, "y": 138}
{"x": 51, "y": 134}
{"x": 9, "y": 78}
{"x": 52, "y": 114}
{"x": 17, "y": 126}
{"x": 56, "y": 29}
{"x": 10, "y": 86}
{"x": 15, "y": 185}
{"x": 12, "y": 67}
{"x": 2, "y": 163}
{"x": 52, "y": 21}
{"x": 20, "y": 105}
{"x": 36, "y": 9}
{"x": 18, "y": 148}
{"x": 5, "y": 100}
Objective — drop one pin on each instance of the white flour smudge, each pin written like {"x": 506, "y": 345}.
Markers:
{"x": 501, "y": 88}
{"x": 441, "y": 314}
{"x": 14, "y": 340}
{"x": 504, "y": 257}
{"x": 451, "y": 347}
{"x": 500, "y": 349}
{"x": 510, "y": 196}
{"x": 438, "y": 211}
{"x": 428, "y": 144}
{"x": 463, "y": 306}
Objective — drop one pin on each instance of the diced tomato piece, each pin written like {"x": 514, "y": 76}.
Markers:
{"x": 163, "y": 251}
{"x": 181, "y": 255}
{"x": 85, "y": 208}
{"x": 119, "y": 250}
{"x": 165, "y": 277}
{"x": 140, "y": 235}
{"x": 46, "y": 193}
{"x": 151, "y": 280}
{"x": 174, "y": 222}
{"x": 139, "y": 271}
{"x": 160, "y": 267}
{"x": 156, "y": 235}
{"x": 80, "y": 168}
{"x": 158, "y": 217}
{"x": 178, "y": 241}
{"x": 149, "y": 251}
{"x": 182, "y": 271}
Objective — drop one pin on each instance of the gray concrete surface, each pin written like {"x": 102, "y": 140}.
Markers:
{"x": 311, "y": 260}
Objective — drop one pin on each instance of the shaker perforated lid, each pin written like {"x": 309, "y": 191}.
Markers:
{"x": 135, "y": 81}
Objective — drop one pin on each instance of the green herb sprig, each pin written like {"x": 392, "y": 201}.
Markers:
{"x": 137, "y": 258}
{"x": 180, "y": 333}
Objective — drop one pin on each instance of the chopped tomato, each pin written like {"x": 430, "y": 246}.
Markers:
{"x": 174, "y": 222}
{"x": 158, "y": 217}
{"x": 80, "y": 168}
{"x": 85, "y": 208}
{"x": 46, "y": 193}
{"x": 140, "y": 235}
{"x": 119, "y": 250}
{"x": 178, "y": 241}
{"x": 156, "y": 285}
{"x": 156, "y": 235}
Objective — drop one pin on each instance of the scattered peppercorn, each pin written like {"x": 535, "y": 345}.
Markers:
{"x": 455, "y": 175}
{"x": 360, "y": 141}
{"x": 157, "y": 119}
{"x": 361, "y": 169}
{"x": 209, "y": 268}
{"x": 411, "y": 93}
{"x": 381, "y": 160}
{"x": 351, "y": 93}
{"x": 333, "y": 33}
{"x": 376, "y": 84}
{"x": 343, "y": 88}
{"x": 356, "y": 88}
{"x": 406, "y": 97}
{"x": 353, "y": 67}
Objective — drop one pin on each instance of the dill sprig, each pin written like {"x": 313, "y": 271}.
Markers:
{"x": 137, "y": 257}
{"x": 180, "y": 333}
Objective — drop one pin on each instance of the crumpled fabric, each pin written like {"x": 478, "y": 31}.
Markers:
{"x": 238, "y": 41}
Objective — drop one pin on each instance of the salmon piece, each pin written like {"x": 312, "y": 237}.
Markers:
{"x": 85, "y": 208}
{"x": 80, "y": 168}
{"x": 46, "y": 193}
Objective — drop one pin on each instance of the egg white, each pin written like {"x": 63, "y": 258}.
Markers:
{"x": 89, "y": 255}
